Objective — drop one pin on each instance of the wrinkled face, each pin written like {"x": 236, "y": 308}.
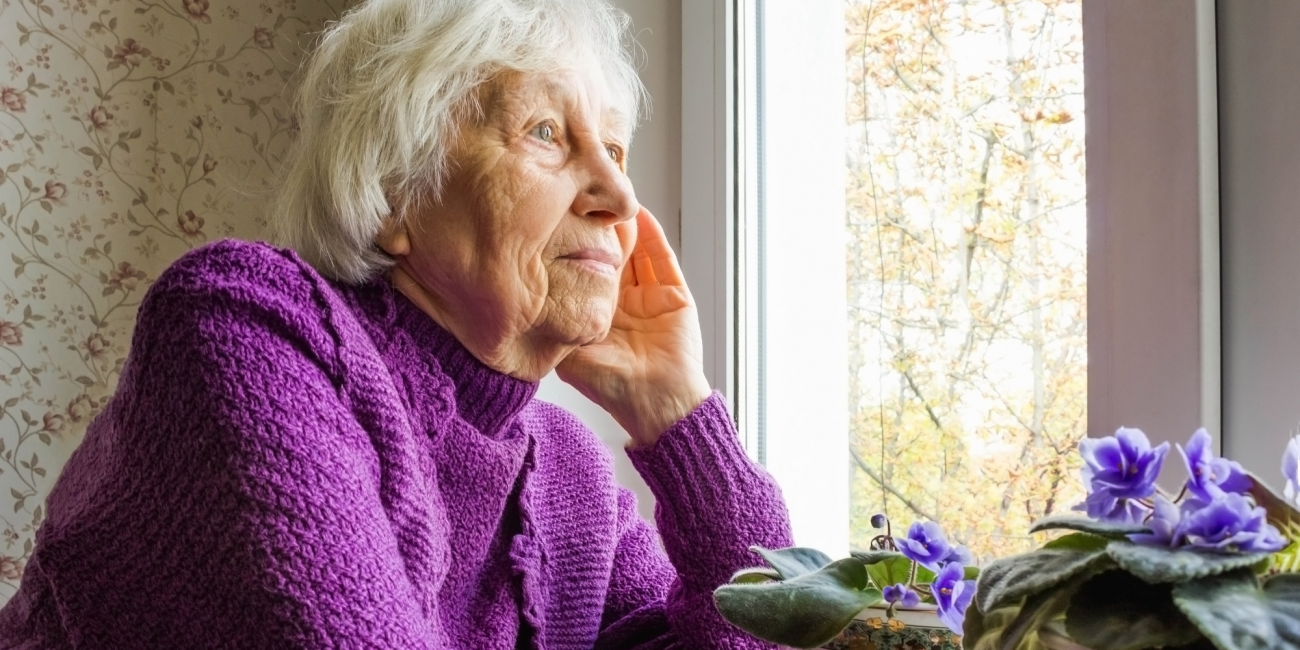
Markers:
{"x": 523, "y": 248}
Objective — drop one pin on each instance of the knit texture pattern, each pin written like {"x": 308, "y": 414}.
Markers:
{"x": 294, "y": 463}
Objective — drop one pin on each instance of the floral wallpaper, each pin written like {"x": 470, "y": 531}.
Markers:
{"x": 130, "y": 132}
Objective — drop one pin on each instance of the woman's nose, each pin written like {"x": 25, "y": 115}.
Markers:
{"x": 604, "y": 191}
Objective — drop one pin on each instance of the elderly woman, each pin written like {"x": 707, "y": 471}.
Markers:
{"x": 336, "y": 445}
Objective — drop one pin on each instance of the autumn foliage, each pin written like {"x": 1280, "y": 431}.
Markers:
{"x": 966, "y": 287}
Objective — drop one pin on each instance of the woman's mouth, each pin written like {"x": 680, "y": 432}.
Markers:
{"x": 595, "y": 260}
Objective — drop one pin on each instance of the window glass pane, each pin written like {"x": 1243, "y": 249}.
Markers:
{"x": 966, "y": 264}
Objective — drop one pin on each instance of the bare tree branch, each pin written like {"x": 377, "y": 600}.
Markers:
{"x": 934, "y": 417}
{"x": 862, "y": 465}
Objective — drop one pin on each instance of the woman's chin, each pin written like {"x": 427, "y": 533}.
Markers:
{"x": 596, "y": 331}
{"x": 580, "y": 312}
{"x": 588, "y": 326}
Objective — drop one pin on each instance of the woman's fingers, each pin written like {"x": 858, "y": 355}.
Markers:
{"x": 651, "y": 240}
{"x": 645, "y": 269}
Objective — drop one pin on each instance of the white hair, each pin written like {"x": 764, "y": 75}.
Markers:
{"x": 381, "y": 98}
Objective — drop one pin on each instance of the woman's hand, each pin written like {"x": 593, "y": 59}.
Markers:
{"x": 648, "y": 372}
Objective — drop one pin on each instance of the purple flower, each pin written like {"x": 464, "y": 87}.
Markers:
{"x": 900, "y": 594}
{"x": 959, "y": 554}
{"x": 953, "y": 595}
{"x": 1117, "y": 469}
{"x": 1230, "y": 523}
{"x": 925, "y": 545}
{"x": 1209, "y": 476}
{"x": 1163, "y": 524}
{"x": 1291, "y": 469}
{"x": 1104, "y": 507}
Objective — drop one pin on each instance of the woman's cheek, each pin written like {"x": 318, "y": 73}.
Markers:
{"x": 534, "y": 284}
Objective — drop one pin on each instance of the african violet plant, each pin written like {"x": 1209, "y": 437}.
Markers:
{"x": 1213, "y": 567}
{"x": 803, "y": 599}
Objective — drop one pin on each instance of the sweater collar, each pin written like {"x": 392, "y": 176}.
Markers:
{"x": 485, "y": 398}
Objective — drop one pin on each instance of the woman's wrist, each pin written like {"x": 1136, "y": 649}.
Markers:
{"x": 659, "y": 410}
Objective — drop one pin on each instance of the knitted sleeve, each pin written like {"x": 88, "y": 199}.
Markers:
{"x": 236, "y": 500}
{"x": 712, "y": 504}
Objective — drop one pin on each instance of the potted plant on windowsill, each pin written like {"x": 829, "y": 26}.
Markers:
{"x": 1216, "y": 567}
{"x": 905, "y": 592}
{"x": 1211, "y": 568}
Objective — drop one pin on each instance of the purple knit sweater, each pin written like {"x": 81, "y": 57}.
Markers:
{"x": 293, "y": 463}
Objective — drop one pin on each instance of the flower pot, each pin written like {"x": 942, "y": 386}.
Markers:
{"x": 913, "y": 628}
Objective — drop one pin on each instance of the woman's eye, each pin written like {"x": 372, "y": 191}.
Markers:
{"x": 544, "y": 132}
{"x": 614, "y": 153}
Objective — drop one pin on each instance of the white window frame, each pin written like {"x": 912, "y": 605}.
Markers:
{"x": 708, "y": 180}
{"x": 1258, "y": 59}
{"x": 1153, "y": 210}
{"x": 807, "y": 451}
{"x": 1154, "y": 315}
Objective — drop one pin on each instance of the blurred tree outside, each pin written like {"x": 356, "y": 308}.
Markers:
{"x": 966, "y": 282}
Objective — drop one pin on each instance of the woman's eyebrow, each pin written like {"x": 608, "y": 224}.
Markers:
{"x": 615, "y": 123}
{"x": 557, "y": 92}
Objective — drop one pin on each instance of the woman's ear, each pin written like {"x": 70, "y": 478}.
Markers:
{"x": 392, "y": 237}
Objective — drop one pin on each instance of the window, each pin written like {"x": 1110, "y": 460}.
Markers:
{"x": 911, "y": 206}
{"x": 1155, "y": 340}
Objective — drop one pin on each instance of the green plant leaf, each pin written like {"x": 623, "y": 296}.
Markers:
{"x": 984, "y": 631}
{"x": 803, "y": 612}
{"x": 1283, "y": 516}
{"x": 1078, "y": 542}
{"x": 1158, "y": 564}
{"x": 980, "y": 630}
{"x": 1006, "y": 581}
{"x": 872, "y": 557}
{"x": 794, "y": 561}
{"x": 924, "y": 576}
{"x": 1108, "y": 529}
{"x": 1118, "y": 611}
{"x": 757, "y": 574}
{"x": 1038, "y": 609}
{"x": 890, "y": 571}
{"x": 1018, "y": 627}
{"x": 1236, "y": 614}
